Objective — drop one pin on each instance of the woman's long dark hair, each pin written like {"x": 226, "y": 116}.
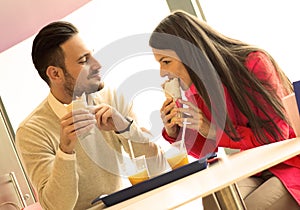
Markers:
{"x": 210, "y": 54}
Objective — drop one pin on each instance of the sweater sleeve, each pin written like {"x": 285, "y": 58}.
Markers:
{"x": 167, "y": 137}
{"x": 54, "y": 176}
{"x": 119, "y": 102}
{"x": 139, "y": 139}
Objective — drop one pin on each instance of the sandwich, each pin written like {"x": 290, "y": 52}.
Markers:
{"x": 172, "y": 90}
{"x": 78, "y": 103}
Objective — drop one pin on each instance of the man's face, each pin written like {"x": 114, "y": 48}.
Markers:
{"x": 83, "y": 70}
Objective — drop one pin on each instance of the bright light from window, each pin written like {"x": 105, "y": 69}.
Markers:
{"x": 267, "y": 24}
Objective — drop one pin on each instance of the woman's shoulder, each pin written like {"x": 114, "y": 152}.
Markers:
{"x": 256, "y": 56}
{"x": 260, "y": 65}
{"x": 259, "y": 61}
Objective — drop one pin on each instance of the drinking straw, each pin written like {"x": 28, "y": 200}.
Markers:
{"x": 183, "y": 133}
{"x": 130, "y": 149}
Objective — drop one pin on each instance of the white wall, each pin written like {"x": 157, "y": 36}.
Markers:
{"x": 269, "y": 24}
{"x": 101, "y": 23}
{"x": 272, "y": 25}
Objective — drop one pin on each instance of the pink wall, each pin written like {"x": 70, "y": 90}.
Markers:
{"x": 21, "y": 19}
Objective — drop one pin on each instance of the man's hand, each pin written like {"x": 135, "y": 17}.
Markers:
{"x": 73, "y": 125}
{"x": 108, "y": 118}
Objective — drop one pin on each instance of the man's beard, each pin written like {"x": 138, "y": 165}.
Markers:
{"x": 73, "y": 89}
{"x": 69, "y": 86}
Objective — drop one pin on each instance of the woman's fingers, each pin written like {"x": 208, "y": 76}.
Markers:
{"x": 189, "y": 104}
{"x": 195, "y": 119}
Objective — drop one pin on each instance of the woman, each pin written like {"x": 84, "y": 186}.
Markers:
{"x": 233, "y": 93}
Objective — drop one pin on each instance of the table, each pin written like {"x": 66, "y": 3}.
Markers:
{"x": 229, "y": 170}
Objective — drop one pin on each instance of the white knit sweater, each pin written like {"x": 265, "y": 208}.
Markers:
{"x": 72, "y": 181}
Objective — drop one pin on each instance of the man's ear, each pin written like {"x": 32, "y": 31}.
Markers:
{"x": 55, "y": 74}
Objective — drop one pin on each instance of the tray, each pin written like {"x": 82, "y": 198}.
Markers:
{"x": 155, "y": 182}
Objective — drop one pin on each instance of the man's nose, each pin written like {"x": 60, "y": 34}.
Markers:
{"x": 95, "y": 64}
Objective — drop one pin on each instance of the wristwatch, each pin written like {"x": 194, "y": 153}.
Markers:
{"x": 127, "y": 128}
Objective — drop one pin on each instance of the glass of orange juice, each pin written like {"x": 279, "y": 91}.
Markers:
{"x": 176, "y": 154}
{"x": 138, "y": 170}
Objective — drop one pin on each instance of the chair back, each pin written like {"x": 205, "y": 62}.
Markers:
{"x": 291, "y": 107}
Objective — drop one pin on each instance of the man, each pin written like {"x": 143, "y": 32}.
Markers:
{"x": 71, "y": 157}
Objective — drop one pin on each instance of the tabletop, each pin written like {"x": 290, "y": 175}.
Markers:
{"x": 228, "y": 170}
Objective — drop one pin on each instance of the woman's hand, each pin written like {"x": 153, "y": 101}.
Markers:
{"x": 168, "y": 115}
{"x": 195, "y": 119}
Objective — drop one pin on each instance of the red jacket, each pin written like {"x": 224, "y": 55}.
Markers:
{"x": 288, "y": 171}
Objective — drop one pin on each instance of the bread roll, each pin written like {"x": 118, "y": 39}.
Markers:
{"x": 172, "y": 90}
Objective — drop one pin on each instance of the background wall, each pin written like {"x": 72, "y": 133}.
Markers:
{"x": 27, "y": 17}
{"x": 101, "y": 23}
{"x": 269, "y": 24}
{"x": 272, "y": 25}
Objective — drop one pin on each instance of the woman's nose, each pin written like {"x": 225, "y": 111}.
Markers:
{"x": 163, "y": 73}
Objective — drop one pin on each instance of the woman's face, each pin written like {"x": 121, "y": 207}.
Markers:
{"x": 172, "y": 67}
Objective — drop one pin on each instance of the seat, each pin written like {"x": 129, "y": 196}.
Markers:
{"x": 290, "y": 104}
{"x": 35, "y": 206}
{"x": 11, "y": 197}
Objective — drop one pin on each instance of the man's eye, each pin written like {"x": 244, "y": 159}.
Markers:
{"x": 166, "y": 62}
{"x": 83, "y": 61}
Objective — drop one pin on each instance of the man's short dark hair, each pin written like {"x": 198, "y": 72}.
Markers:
{"x": 46, "y": 48}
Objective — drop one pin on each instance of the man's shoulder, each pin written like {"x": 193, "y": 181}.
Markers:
{"x": 38, "y": 116}
{"x": 106, "y": 95}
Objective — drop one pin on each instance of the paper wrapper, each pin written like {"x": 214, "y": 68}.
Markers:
{"x": 79, "y": 103}
{"x": 172, "y": 90}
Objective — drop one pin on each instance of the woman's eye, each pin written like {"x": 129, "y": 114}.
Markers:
{"x": 166, "y": 62}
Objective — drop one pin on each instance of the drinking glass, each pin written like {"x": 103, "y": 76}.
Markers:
{"x": 135, "y": 169}
{"x": 139, "y": 170}
{"x": 176, "y": 154}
